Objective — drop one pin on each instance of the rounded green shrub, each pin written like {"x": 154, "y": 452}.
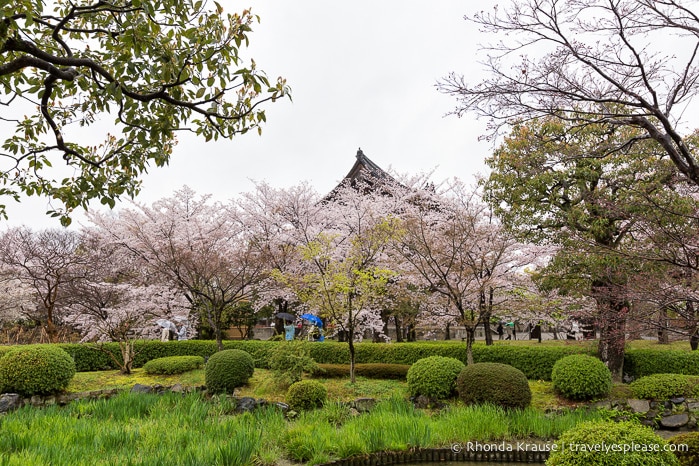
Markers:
{"x": 585, "y": 444}
{"x": 664, "y": 386}
{"x": 494, "y": 383}
{"x": 227, "y": 370}
{"x": 306, "y": 394}
{"x": 173, "y": 365}
{"x": 35, "y": 370}
{"x": 690, "y": 456}
{"x": 434, "y": 377}
{"x": 581, "y": 377}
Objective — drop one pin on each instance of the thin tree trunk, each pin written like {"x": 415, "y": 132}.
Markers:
{"x": 399, "y": 330}
{"x": 127, "y": 356}
{"x": 663, "y": 336}
{"x": 470, "y": 338}
{"x": 694, "y": 338}
{"x": 486, "y": 312}
{"x": 411, "y": 332}
{"x": 447, "y": 329}
{"x": 350, "y": 342}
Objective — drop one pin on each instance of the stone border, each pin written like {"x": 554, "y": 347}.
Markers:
{"x": 439, "y": 455}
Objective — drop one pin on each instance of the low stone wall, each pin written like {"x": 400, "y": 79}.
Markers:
{"x": 678, "y": 413}
{"x": 442, "y": 454}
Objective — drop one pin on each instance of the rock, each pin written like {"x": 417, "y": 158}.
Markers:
{"x": 9, "y": 402}
{"x": 601, "y": 405}
{"x": 675, "y": 421}
{"x": 140, "y": 388}
{"x": 677, "y": 400}
{"x": 177, "y": 388}
{"x": 159, "y": 389}
{"x": 65, "y": 398}
{"x": 693, "y": 405}
{"x": 245, "y": 404}
{"x": 282, "y": 406}
{"x": 364, "y": 405}
{"x": 36, "y": 400}
{"x": 421, "y": 402}
{"x": 639, "y": 406}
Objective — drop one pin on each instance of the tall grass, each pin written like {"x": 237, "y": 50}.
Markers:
{"x": 150, "y": 430}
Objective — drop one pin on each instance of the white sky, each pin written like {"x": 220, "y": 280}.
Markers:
{"x": 362, "y": 74}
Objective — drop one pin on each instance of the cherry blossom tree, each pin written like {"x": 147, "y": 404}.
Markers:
{"x": 342, "y": 273}
{"x": 278, "y": 219}
{"x": 455, "y": 250}
{"x": 113, "y": 299}
{"x": 123, "y": 312}
{"x": 200, "y": 247}
{"x": 43, "y": 261}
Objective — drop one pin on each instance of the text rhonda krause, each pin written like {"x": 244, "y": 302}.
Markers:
{"x": 581, "y": 447}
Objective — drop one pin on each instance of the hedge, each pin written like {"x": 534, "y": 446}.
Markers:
{"x": 643, "y": 362}
{"x": 535, "y": 361}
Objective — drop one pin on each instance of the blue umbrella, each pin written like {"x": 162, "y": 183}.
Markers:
{"x": 314, "y": 319}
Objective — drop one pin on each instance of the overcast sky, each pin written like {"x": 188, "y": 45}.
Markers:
{"x": 362, "y": 74}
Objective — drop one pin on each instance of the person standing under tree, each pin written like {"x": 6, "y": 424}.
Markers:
{"x": 289, "y": 331}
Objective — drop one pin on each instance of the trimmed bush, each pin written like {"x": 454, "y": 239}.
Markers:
{"x": 643, "y": 362}
{"x": 4, "y": 350}
{"x": 691, "y": 456}
{"x": 371, "y": 371}
{"x": 581, "y": 377}
{"x": 598, "y": 433}
{"x": 289, "y": 360}
{"x": 227, "y": 370}
{"x": 35, "y": 370}
{"x": 173, "y": 365}
{"x": 434, "y": 377}
{"x": 494, "y": 383}
{"x": 664, "y": 386}
{"x": 306, "y": 394}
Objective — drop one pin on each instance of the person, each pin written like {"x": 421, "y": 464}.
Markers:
{"x": 289, "y": 331}
{"x": 501, "y": 331}
{"x": 182, "y": 333}
{"x": 314, "y": 334}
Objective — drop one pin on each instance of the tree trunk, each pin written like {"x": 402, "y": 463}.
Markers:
{"x": 488, "y": 331}
{"x": 612, "y": 312}
{"x": 350, "y": 341}
{"x": 127, "y": 356}
{"x": 694, "y": 338}
{"x": 447, "y": 329}
{"x": 411, "y": 332}
{"x": 399, "y": 330}
{"x": 486, "y": 312}
{"x": 663, "y": 336}
{"x": 470, "y": 338}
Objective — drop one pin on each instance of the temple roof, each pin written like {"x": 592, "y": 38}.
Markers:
{"x": 366, "y": 171}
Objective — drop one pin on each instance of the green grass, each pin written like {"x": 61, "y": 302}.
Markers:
{"x": 140, "y": 429}
{"x": 99, "y": 380}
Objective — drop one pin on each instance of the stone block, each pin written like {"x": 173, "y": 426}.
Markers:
{"x": 639, "y": 406}
{"x": 674, "y": 421}
{"x": 9, "y": 402}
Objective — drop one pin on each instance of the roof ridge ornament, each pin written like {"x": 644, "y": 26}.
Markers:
{"x": 360, "y": 154}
